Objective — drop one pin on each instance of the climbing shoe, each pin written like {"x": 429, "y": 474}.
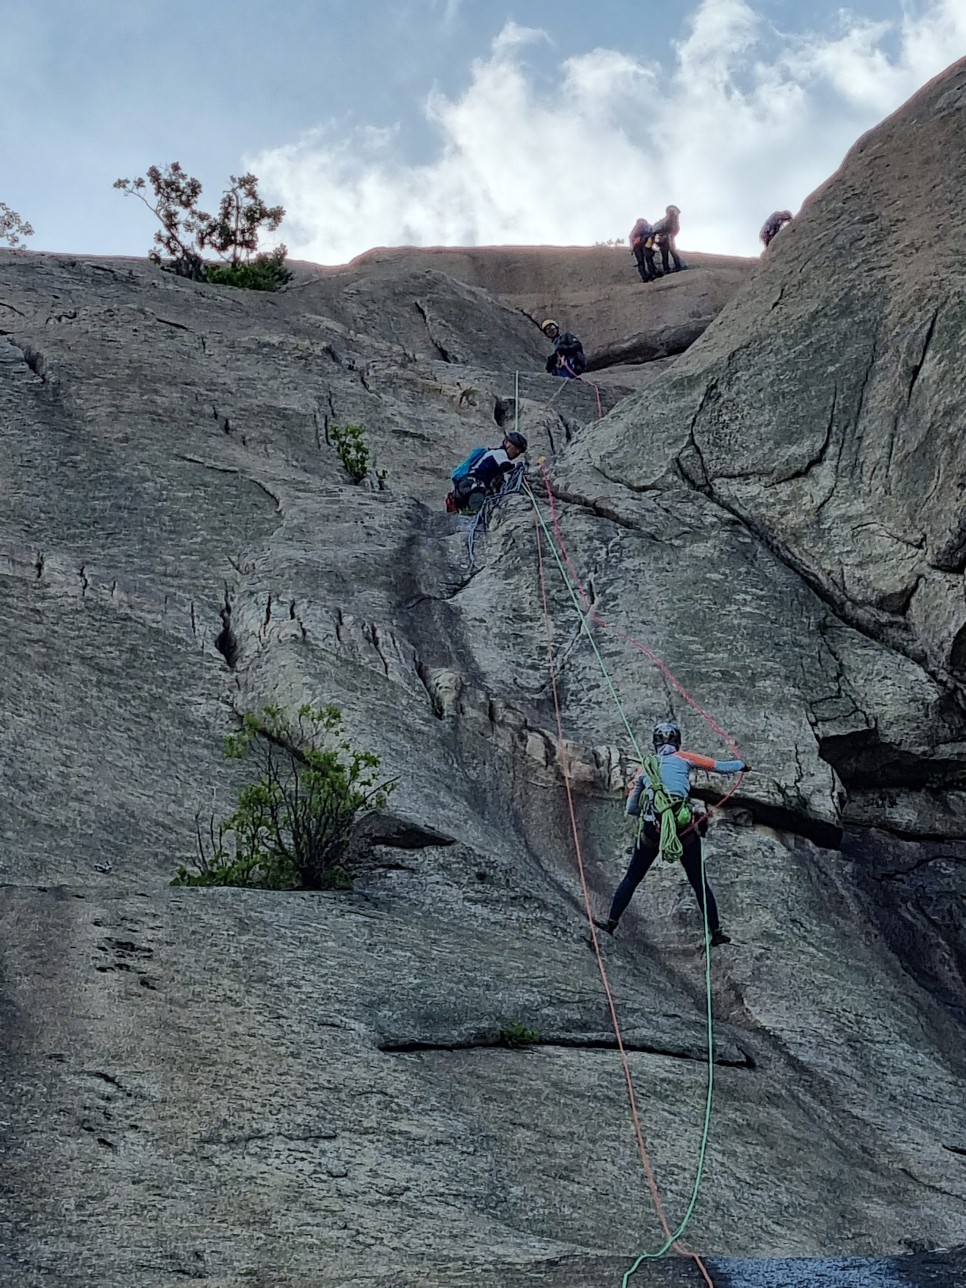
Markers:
{"x": 718, "y": 937}
{"x": 607, "y": 926}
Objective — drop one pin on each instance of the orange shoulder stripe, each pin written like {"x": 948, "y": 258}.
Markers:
{"x": 697, "y": 760}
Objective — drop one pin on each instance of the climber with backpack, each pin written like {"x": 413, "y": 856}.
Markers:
{"x": 568, "y": 358}
{"x": 642, "y": 245}
{"x": 665, "y": 233}
{"x": 670, "y": 826}
{"x": 483, "y": 474}
{"x": 773, "y": 226}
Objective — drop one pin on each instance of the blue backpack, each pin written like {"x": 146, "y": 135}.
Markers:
{"x": 465, "y": 467}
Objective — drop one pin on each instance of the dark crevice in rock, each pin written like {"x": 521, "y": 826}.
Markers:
{"x": 936, "y": 1189}
{"x": 595, "y": 507}
{"x": 819, "y": 458}
{"x": 575, "y": 1042}
{"x": 224, "y": 424}
{"x": 899, "y": 873}
{"x": 957, "y": 654}
{"x": 440, "y": 349}
{"x": 917, "y": 367}
{"x": 36, "y": 361}
{"x": 956, "y": 1149}
{"x": 425, "y": 678}
{"x": 225, "y": 641}
{"x": 178, "y": 326}
{"x": 273, "y": 496}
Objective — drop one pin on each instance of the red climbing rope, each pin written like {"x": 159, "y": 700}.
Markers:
{"x": 636, "y": 644}
{"x": 602, "y": 970}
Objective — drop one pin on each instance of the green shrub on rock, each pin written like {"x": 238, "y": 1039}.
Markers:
{"x": 263, "y": 273}
{"x": 352, "y": 448}
{"x": 516, "y": 1034}
{"x": 292, "y": 826}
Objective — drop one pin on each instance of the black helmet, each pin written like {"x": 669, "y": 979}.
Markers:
{"x": 667, "y": 733}
{"x": 517, "y": 439}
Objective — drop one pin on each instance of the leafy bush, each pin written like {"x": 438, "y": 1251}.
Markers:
{"x": 291, "y": 828}
{"x": 516, "y": 1034}
{"x": 263, "y": 273}
{"x": 13, "y": 229}
{"x": 187, "y": 232}
{"x": 350, "y": 443}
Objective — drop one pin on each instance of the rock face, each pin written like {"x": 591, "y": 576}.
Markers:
{"x": 311, "y": 1089}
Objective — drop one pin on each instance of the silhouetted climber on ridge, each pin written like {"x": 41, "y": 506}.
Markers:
{"x": 568, "y": 357}
{"x": 642, "y": 244}
{"x": 665, "y": 232}
{"x": 483, "y": 473}
{"x": 773, "y": 226}
{"x": 670, "y": 825}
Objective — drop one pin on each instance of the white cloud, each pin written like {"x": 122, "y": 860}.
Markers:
{"x": 747, "y": 119}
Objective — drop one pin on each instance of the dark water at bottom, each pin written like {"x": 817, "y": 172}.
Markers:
{"x": 926, "y": 1270}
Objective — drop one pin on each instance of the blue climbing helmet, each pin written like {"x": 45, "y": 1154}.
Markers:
{"x": 667, "y": 734}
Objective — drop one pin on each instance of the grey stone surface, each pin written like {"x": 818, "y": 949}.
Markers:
{"x": 254, "y": 1088}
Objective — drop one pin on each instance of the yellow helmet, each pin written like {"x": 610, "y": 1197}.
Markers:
{"x": 547, "y": 324}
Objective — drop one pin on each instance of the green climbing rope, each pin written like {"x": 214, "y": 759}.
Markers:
{"x": 667, "y": 820}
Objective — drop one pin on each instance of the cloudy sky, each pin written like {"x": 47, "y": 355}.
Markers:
{"x": 451, "y": 122}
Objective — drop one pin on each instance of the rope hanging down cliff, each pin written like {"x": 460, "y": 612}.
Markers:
{"x": 671, "y": 1237}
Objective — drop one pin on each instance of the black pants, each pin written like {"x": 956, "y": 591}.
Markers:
{"x": 669, "y": 252}
{"x": 645, "y": 261}
{"x": 645, "y": 852}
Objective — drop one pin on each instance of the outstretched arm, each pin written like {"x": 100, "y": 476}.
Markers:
{"x": 713, "y": 766}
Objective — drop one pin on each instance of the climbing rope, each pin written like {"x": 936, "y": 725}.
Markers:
{"x": 671, "y": 1237}
{"x": 578, "y": 589}
{"x": 515, "y": 480}
{"x": 667, "y": 812}
{"x": 480, "y": 521}
{"x": 572, "y": 584}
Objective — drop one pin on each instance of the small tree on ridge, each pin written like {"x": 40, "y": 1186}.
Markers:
{"x": 13, "y": 229}
{"x": 187, "y": 232}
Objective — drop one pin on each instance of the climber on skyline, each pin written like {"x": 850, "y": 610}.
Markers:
{"x": 665, "y": 232}
{"x": 568, "y": 357}
{"x": 773, "y": 226}
{"x": 483, "y": 473}
{"x": 642, "y": 245}
{"x": 670, "y": 825}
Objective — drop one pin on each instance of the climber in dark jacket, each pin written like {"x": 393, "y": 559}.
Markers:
{"x": 642, "y": 244}
{"x": 665, "y": 232}
{"x": 773, "y": 226}
{"x": 568, "y": 357}
{"x": 674, "y": 766}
